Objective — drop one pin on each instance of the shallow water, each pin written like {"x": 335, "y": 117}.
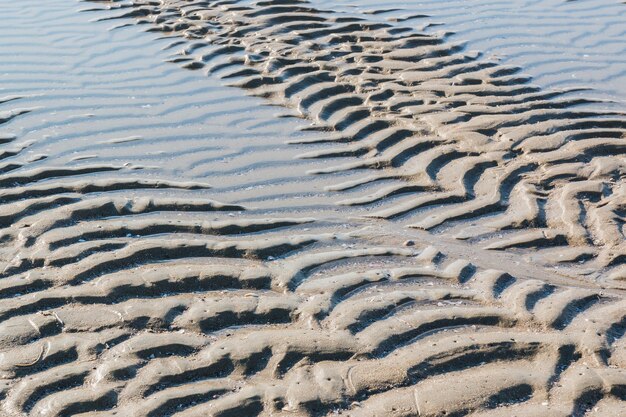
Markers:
{"x": 560, "y": 43}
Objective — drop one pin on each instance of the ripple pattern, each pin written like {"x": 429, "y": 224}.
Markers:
{"x": 470, "y": 145}
{"x": 380, "y": 241}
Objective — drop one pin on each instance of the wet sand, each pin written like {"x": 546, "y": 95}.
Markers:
{"x": 287, "y": 208}
{"x": 561, "y": 43}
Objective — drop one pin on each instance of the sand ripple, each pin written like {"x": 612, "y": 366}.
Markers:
{"x": 396, "y": 258}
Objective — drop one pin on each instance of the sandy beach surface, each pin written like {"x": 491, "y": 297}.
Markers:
{"x": 313, "y": 208}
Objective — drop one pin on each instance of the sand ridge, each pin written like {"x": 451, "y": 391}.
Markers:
{"x": 128, "y": 292}
{"x": 469, "y": 139}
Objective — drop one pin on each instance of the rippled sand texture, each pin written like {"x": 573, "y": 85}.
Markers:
{"x": 456, "y": 132}
{"x": 376, "y": 222}
{"x": 562, "y": 43}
